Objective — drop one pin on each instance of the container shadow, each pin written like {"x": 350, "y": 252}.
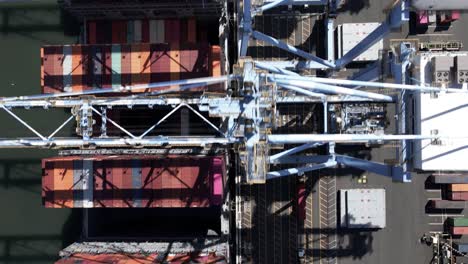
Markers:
{"x": 26, "y": 19}
{"x": 355, "y": 6}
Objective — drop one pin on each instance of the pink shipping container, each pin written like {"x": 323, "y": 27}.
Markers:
{"x": 459, "y": 230}
{"x": 133, "y": 181}
{"x": 461, "y": 196}
{"x": 142, "y": 259}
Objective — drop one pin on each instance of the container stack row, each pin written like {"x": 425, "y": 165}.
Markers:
{"x": 458, "y": 225}
{"x": 174, "y": 31}
{"x": 457, "y": 185}
{"x": 141, "y": 258}
{"x": 74, "y": 68}
{"x": 133, "y": 181}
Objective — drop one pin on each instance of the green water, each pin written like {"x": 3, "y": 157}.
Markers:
{"x": 29, "y": 233}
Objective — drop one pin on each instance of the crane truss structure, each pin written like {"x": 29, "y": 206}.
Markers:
{"x": 248, "y": 112}
{"x": 248, "y": 118}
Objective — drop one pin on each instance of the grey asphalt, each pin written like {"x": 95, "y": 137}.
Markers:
{"x": 407, "y": 219}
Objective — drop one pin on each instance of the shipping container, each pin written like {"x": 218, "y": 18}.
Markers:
{"x": 459, "y": 196}
{"x": 301, "y": 201}
{"x": 173, "y": 31}
{"x": 459, "y": 187}
{"x": 83, "y": 67}
{"x": 462, "y": 247}
{"x": 449, "y": 178}
{"x": 459, "y": 230}
{"x": 458, "y": 221}
{"x": 141, "y": 258}
{"x": 133, "y": 181}
{"x": 444, "y": 204}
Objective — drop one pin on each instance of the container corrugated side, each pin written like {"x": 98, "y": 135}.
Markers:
{"x": 174, "y": 31}
{"x": 441, "y": 204}
{"x": 301, "y": 201}
{"x": 459, "y": 196}
{"x": 110, "y": 66}
{"x": 459, "y": 187}
{"x": 140, "y": 258}
{"x": 129, "y": 181}
{"x": 462, "y": 247}
{"x": 447, "y": 178}
{"x": 459, "y": 230}
{"x": 459, "y": 221}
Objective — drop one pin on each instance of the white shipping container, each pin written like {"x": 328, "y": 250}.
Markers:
{"x": 351, "y": 34}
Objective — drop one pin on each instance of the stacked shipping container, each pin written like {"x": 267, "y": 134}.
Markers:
{"x": 133, "y": 181}
{"x": 172, "y": 31}
{"x": 458, "y": 225}
{"x": 444, "y": 204}
{"x": 84, "y": 67}
{"x": 141, "y": 259}
{"x": 457, "y": 185}
{"x": 459, "y": 191}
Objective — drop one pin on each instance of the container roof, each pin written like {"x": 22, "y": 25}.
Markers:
{"x": 362, "y": 208}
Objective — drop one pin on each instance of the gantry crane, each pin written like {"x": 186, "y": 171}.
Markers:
{"x": 248, "y": 112}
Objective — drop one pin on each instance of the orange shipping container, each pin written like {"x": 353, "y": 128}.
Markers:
{"x": 459, "y": 187}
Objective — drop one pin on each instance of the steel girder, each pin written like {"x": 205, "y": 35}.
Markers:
{"x": 249, "y": 119}
{"x": 398, "y": 15}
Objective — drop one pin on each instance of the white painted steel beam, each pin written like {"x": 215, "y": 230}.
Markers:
{"x": 334, "y": 89}
{"x": 269, "y": 4}
{"x": 111, "y": 142}
{"x": 282, "y": 45}
{"x": 276, "y": 77}
{"x": 301, "y": 159}
{"x": 300, "y": 170}
{"x": 340, "y": 138}
{"x": 396, "y": 17}
{"x": 110, "y": 102}
{"x": 293, "y": 64}
{"x": 23, "y": 122}
{"x": 124, "y": 89}
{"x": 304, "y": 91}
{"x": 274, "y": 69}
{"x": 293, "y": 151}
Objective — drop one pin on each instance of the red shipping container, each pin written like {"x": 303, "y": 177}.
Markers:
{"x": 119, "y": 32}
{"x": 133, "y": 181}
{"x": 301, "y": 201}
{"x": 460, "y": 196}
{"x": 145, "y": 35}
{"x": 459, "y": 230}
{"x": 92, "y": 31}
{"x": 192, "y": 30}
